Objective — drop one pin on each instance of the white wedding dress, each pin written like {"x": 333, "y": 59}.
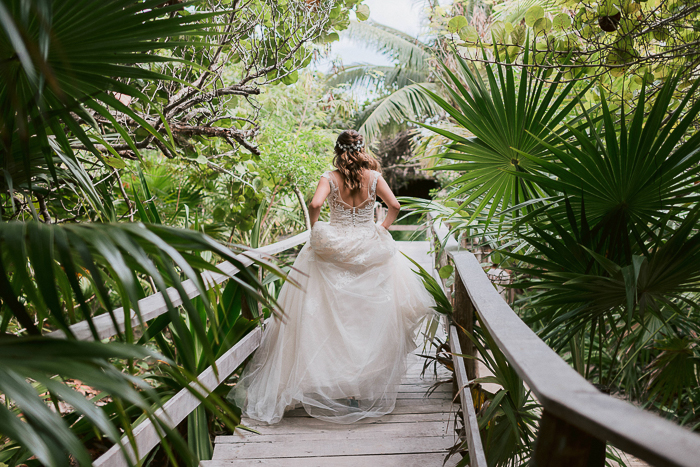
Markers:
{"x": 340, "y": 349}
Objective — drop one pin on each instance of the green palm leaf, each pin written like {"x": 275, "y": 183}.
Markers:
{"x": 372, "y": 76}
{"x": 61, "y": 60}
{"x": 633, "y": 180}
{"x": 408, "y": 103}
{"x": 45, "y": 271}
{"x": 37, "y": 430}
{"x": 507, "y": 116}
{"x": 399, "y": 46}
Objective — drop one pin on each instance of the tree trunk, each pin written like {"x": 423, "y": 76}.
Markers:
{"x": 302, "y": 203}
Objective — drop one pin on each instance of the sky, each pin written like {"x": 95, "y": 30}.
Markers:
{"x": 404, "y": 15}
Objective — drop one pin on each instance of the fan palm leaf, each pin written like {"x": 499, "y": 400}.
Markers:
{"x": 507, "y": 117}
{"x": 629, "y": 182}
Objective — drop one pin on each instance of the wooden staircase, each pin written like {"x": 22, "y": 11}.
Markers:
{"x": 418, "y": 433}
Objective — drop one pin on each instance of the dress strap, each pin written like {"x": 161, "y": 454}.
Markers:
{"x": 331, "y": 179}
{"x": 373, "y": 187}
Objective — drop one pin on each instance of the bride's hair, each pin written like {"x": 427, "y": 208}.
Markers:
{"x": 351, "y": 157}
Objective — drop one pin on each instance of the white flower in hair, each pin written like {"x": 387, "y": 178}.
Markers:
{"x": 351, "y": 147}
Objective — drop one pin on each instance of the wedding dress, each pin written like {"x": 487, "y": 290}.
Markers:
{"x": 340, "y": 349}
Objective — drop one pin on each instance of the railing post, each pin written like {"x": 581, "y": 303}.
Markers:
{"x": 463, "y": 316}
{"x": 560, "y": 443}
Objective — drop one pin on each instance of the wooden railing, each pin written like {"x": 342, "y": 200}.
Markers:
{"x": 146, "y": 434}
{"x": 577, "y": 419}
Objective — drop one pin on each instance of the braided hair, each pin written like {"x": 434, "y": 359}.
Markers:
{"x": 351, "y": 157}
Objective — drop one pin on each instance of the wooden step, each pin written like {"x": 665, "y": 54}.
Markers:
{"x": 299, "y": 446}
{"x": 274, "y": 433}
{"x": 313, "y": 424}
{"x": 402, "y": 406}
{"x": 390, "y": 460}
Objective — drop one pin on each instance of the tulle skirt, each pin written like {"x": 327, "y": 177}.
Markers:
{"x": 340, "y": 349}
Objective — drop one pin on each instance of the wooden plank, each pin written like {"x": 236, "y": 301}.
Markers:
{"x": 304, "y": 423}
{"x": 392, "y": 460}
{"x": 417, "y": 381}
{"x": 333, "y": 447}
{"x": 564, "y": 392}
{"x": 336, "y": 431}
{"x": 476, "y": 449}
{"x": 416, "y": 388}
{"x": 442, "y": 395}
{"x": 442, "y": 407}
{"x": 420, "y": 393}
{"x": 155, "y": 305}
{"x": 182, "y": 404}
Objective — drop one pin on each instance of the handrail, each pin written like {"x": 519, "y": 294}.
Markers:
{"x": 575, "y": 413}
{"x": 176, "y": 409}
{"x": 155, "y": 305}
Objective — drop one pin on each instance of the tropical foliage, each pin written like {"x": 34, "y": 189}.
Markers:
{"x": 626, "y": 43}
{"x": 395, "y": 90}
{"x": 130, "y": 110}
{"x": 602, "y": 240}
{"x": 507, "y": 417}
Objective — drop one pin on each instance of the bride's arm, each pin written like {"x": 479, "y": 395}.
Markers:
{"x": 322, "y": 191}
{"x": 388, "y": 197}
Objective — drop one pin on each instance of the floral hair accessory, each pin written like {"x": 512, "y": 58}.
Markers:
{"x": 351, "y": 147}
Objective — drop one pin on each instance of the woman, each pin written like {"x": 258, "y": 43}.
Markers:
{"x": 340, "y": 349}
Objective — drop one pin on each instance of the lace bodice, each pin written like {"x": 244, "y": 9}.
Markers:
{"x": 345, "y": 215}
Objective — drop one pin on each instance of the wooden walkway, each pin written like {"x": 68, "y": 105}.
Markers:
{"x": 417, "y": 434}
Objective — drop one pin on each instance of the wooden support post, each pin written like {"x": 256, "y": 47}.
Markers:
{"x": 560, "y": 443}
{"x": 463, "y": 316}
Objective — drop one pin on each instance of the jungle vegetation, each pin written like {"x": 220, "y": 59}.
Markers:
{"x": 143, "y": 141}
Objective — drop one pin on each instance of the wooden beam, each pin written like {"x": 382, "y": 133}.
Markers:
{"x": 463, "y": 315}
{"x": 477, "y": 458}
{"x": 560, "y": 443}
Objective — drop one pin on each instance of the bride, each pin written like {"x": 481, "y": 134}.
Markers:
{"x": 340, "y": 349}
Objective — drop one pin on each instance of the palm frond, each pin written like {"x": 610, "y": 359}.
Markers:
{"x": 407, "y": 50}
{"x": 65, "y": 67}
{"x": 507, "y": 116}
{"x": 371, "y": 76}
{"x": 408, "y": 103}
{"x": 28, "y": 421}
{"x": 54, "y": 275}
